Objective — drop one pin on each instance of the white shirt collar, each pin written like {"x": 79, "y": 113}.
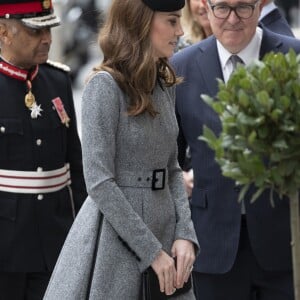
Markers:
{"x": 267, "y": 9}
{"x": 248, "y": 54}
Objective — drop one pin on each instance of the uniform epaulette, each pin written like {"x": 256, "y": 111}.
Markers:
{"x": 58, "y": 65}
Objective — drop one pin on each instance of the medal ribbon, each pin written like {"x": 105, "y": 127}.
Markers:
{"x": 29, "y": 97}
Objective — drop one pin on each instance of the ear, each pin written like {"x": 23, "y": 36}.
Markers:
{"x": 2, "y": 27}
{"x": 262, "y": 4}
{"x": 205, "y": 4}
{"x": 5, "y": 33}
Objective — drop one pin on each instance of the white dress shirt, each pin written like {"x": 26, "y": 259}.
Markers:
{"x": 248, "y": 54}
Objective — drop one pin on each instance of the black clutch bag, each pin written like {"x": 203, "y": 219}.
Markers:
{"x": 151, "y": 290}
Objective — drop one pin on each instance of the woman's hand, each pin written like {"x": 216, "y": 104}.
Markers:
{"x": 184, "y": 253}
{"x": 164, "y": 267}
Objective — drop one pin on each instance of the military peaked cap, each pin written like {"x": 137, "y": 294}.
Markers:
{"x": 165, "y": 5}
{"x": 33, "y": 13}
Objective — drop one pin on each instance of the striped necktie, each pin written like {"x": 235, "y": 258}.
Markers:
{"x": 234, "y": 60}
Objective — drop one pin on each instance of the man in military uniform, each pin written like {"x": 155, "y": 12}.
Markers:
{"x": 41, "y": 177}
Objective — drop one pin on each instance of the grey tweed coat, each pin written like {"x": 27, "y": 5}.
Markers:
{"x": 120, "y": 153}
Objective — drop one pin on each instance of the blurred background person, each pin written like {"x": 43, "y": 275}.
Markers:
{"x": 81, "y": 19}
{"x": 273, "y": 19}
{"x": 75, "y": 43}
{"x": 195, "y": 23}
{"x": 291, "y": 10}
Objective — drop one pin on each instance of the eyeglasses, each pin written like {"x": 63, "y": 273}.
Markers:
{"x": 242, "y": 11}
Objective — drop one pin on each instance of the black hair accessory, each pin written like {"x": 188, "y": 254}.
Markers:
{"x": 165, "y": 5}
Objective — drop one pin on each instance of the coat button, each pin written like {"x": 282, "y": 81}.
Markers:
{"x": 39, "y": 169}
{"x": 40, "y": 197}
{"x": 39, "y": 142}
{"x": 2, "y": 129}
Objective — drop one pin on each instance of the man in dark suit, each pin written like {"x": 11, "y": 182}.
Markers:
{"x": 272, "y": 18}
{"x": 40, "y": 152}
{"x": 245, "y": 249}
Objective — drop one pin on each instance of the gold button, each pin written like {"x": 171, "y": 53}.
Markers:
{"x": 46, "y": 4}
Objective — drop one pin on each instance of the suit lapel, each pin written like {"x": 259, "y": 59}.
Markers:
{"x": 270, "y": 42}
{"x": 209, "y": 66}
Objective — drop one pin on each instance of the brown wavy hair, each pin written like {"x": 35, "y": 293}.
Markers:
{"x": 129, "y": 57}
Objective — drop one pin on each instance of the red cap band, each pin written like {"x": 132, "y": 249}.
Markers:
{"x": 21, "y": 8}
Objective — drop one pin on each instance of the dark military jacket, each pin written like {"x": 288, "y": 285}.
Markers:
{"x": 33, "y": 227}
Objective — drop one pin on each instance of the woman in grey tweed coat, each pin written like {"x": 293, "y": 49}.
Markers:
{"x": 130, "y": 162}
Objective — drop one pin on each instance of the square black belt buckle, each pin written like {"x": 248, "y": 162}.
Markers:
{"x": 158, "y": 179}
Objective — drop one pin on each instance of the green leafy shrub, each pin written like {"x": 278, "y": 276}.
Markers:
{"x": 259, "y": 108}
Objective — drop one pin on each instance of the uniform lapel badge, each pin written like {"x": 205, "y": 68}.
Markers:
{"x": 58, "y": 104}
{"x": 35, "y": 110}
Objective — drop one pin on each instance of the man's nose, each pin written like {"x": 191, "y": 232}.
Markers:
{"x": 46, "y": 35}
{"x": 233, "y": 17}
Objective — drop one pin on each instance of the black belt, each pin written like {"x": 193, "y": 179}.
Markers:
{"x": 156, "y": 179}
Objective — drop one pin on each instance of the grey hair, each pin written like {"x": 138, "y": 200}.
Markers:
{"x": 11, "y": 24}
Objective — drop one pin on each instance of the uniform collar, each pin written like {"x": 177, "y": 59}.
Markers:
{"x": 17, "y": 73}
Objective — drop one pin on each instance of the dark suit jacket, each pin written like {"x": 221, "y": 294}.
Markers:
{"x": 215, "y": 211}
{"x": 276, "y": 22}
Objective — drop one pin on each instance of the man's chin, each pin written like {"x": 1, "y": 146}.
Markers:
{"x": 42, "y": 59}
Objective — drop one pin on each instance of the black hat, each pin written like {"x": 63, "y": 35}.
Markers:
{"x": 165, "y": 5}
{"x": 33, "y": 13}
